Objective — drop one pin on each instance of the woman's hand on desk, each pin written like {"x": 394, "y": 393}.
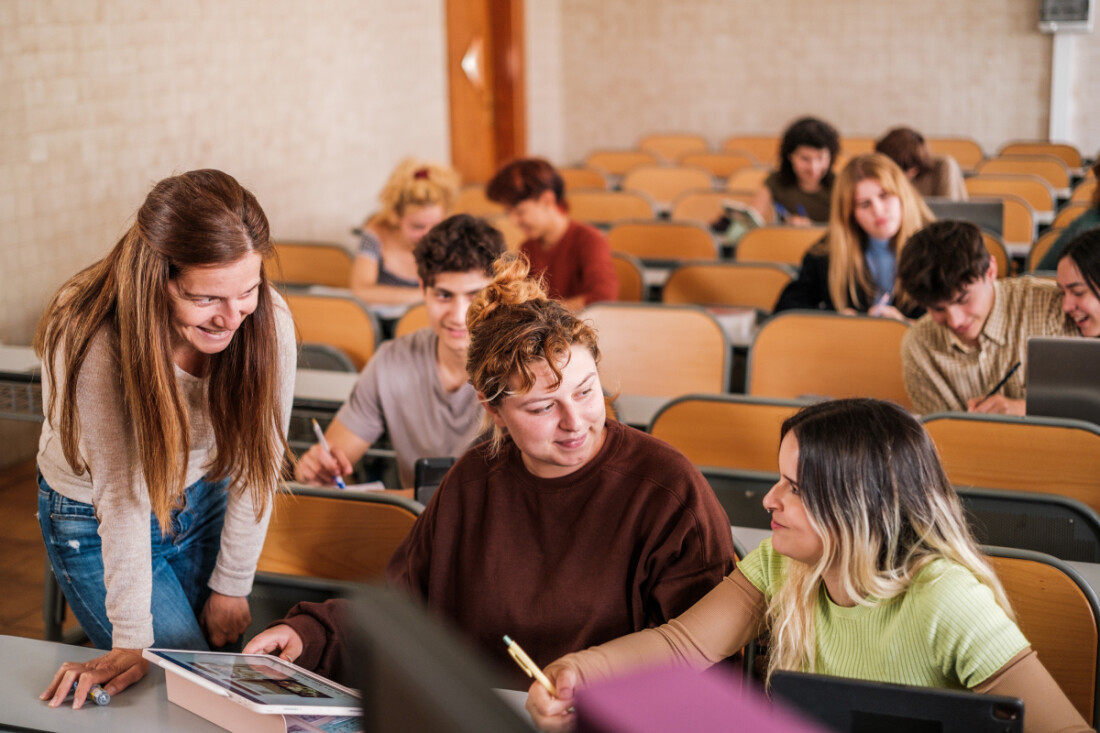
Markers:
{"x": 319, "y": 468}
{"x": 280, "y": 640}
{"x": 224, "y": 618}
{"x": 115, "y": 671}
{"x": 551, "y": 713}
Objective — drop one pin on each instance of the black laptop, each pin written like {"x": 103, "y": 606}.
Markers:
{"x": 1063, "y": 378}
{"x": 857, "y": 706}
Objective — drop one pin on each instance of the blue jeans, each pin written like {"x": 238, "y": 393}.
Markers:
{"x": 182, "y": 562}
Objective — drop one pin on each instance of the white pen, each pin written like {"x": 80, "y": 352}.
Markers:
{"x": 324, "y": 444}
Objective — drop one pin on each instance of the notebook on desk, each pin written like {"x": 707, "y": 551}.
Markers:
{"x": 1063, "y": 378}
{"x": 858, "y": 706}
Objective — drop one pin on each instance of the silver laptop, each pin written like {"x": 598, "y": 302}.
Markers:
{"x": 1063, "y": 378}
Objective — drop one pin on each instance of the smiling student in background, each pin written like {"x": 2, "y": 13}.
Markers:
{"x": 976, "y": 327}
{"x": 1079, "y": 281}
{"x": 415, "y": 388}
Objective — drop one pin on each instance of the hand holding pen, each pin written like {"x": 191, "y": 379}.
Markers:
{"x": 338, "y": 479}
{"x": 995, "y": 403}
{"x": 550, "y": 705}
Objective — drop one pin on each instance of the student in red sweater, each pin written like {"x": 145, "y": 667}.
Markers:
{"x": 566, "y": 529}
{"x": 574, "y": 258}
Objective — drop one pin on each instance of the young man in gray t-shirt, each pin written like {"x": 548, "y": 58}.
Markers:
{"x": 415, "y": 388}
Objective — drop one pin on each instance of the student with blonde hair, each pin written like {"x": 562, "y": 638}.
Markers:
{"x": 566, "y": 529}
{"x": 853, "y": 269}
{"x": 417, "y": 196}
{"x": 168, "y": 377}
{"x": 871, "y": 572}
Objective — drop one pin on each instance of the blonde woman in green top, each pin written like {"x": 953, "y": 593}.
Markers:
{"x": 871, "y": 572}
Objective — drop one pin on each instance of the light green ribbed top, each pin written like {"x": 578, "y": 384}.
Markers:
{"x": 946, "y": 630}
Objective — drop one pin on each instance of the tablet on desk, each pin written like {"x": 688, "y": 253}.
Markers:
{"x": 259, "y": 682}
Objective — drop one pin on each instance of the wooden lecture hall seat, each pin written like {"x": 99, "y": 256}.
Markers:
{"x": 337, "y": 320}
{"x": 804, "y": 354}
{"x": 311, "y": 263}
{"x": 649, "y": 349}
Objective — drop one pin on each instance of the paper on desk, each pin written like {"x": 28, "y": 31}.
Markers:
{"x": 370, "y": 486}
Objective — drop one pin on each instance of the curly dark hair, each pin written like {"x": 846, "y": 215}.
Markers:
{"x": 942, "y": 259}
{"x": 813, "y": 133}
{"x": 458, "y": 244}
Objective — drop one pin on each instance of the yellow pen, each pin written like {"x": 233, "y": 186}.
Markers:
{"x": 529, "y": 666}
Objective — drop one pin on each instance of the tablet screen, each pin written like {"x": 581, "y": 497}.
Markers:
{"x": 262, "y": 680}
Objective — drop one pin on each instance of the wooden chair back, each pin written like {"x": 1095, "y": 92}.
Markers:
{"x": 607, "y": 207}
{"x": 1031, "y": 188}
{"x": 853, "y": 146}
{"x": 749, "y": 284}
{"x": 310, "y": 263}
{"x": 412, "y": 320}
{"x": 1083, "y": 191}
{"x": 725, "y": 431}
{"x": 663, "y": 183}
{"x": 1069, "y": 154}
{"x": 473, "y": 201}
{"x": 1044, "y": 455}
{"x": 336, "y": 320}
{"x": 1042, "y": 245}
{"x": 1069, "y": 214}
{"x": 800, "y": 354}
{"x": 1047, "y": 167}
{"x": 659, "y": 350}
{"x": 747, "y": 179}
{"x": 1017, "y": 220}
{"x": 618, "y": 162}
{"x": 663, "y": 240}
{"x": 583, "y": 178}
{"x": 705, "y": 205}
{"x": 1057, "y": 611}
{"x": 720, "y": 165}
{"x": 339, "y": 535}
{"x": 765, "y": 148}
{"x": 630, "y": 272}
{"x": 783, "y": 244}
{"x": 671, "y": 147}
{"x": 996, "y": 247}
{"x": 966, "y": 151}
{"x": 513, "y": 235}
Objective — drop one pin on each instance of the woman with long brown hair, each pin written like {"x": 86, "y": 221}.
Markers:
{"x": 168, "y": 379}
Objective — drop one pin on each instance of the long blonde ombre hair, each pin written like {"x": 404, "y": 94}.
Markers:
{"x": 874, "y": 490}
{"x": 197, "y": 219}
{"x": 849, "y": 277}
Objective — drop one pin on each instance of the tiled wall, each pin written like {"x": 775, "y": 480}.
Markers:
{"x": 545, "y": 88}
{"x": 978, "y": 68}
{"x": 309, "y": 104}
{"x": 1085, "y": 121}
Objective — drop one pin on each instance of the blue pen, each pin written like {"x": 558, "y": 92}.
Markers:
{"x": 801, "y": 211}
{"x": 324, "y": 445}
{"x": 96, "y": 694}
{"x": 781, "y": 211}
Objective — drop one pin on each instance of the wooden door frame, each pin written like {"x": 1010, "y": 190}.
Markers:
{"x": 488, "y": 123}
